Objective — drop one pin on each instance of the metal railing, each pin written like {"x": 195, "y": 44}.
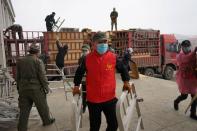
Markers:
{"x": 6, "y": 81}
{"x": 25, "y": 35}
{"x": 70, "y": 70}
{"x": 76, "y": 116}
{"x": 125, "y": 109}
{"x": 54, "y": 71}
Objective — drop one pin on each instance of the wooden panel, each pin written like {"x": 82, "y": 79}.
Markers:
{"x": 69, "y": 56}
{"x": 67, "y": 35}
{"x": 50, "y": 36}
{"x": 77, "y": 46}
{"x": 50, "y": 46}
{"x": 145, "y": 61}
{"x": 74, "y": 40}
{"x": 77, "y": 36}
{"x": 72, "y": 46}
{"x": 52, "y": 57}
{"x": 71, "y": 62}
{"x": 81, "y": 36}
{"x": 78, "y": 55}
{"x": 72, "y": 35}
{"x": 63, "y": 36}
{"x": 74, "y": 56}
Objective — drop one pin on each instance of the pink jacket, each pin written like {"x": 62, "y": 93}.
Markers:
{"x": 185, "y": 76}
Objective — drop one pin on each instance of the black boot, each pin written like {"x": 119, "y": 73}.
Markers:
{"x": 51, "y": 121}
{"x": 179, "y": 99}
{"x": 176, "y": 105}
{"x": 193, "y": 110}
{"x": 193, "y": 116}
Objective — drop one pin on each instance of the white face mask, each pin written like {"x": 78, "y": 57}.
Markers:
{"x": 186, "y": 49}
{"x": 85, "y": 52}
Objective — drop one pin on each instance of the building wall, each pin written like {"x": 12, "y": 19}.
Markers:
{"x": 7, "y": 18}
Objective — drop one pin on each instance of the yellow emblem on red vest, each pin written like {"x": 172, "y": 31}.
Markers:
{"x": 109, "y": 66}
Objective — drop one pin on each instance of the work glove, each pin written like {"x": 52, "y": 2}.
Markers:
{"x": 47, "y": 90}
{"x": 76, "y": 90}
{"x": 127, "y": 86}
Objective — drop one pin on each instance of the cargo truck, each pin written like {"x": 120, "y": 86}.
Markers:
{"x": 154, "y": 53}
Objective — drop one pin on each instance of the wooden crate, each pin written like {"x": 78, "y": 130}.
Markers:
{"x": 146, "y": 60}
{"x": 74, "y": 40}
{"x": 64, "y": 35}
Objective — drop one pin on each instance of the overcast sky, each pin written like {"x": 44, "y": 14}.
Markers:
{"x": 168, "y": 16}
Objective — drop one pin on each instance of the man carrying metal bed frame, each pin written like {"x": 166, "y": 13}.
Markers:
{"x": 100, "y": 66}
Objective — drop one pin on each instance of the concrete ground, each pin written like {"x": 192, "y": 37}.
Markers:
{"x": 157, "y": 109}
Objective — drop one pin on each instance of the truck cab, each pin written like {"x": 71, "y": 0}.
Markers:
{"x": 169, "y": 49}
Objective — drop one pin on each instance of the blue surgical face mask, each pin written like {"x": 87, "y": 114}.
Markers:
{"x": 102, "y": 48}
{"x": 186, "y": 49}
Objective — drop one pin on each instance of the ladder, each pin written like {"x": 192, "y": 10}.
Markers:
{"x": 68, "y": 79}
{"x": 125, "y": 109}
{"x": 53, "y": 71}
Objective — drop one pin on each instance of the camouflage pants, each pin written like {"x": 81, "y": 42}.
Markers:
{"x": 26, "y": 100}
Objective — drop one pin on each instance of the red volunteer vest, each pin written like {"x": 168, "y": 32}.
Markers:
{"x": 100, "y": 78}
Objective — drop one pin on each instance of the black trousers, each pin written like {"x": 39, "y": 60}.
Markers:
{"x": 84, "y": 94}
{"x": 183, "y": 97}
{"x": 49, "y": 27}
{"x": 109, "y": 110}
{"x": 112, "y": 25}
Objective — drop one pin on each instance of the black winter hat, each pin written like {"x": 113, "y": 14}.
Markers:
{"x": 186, "y": 43}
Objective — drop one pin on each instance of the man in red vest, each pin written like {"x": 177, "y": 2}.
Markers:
{"x": 100, "y": 66}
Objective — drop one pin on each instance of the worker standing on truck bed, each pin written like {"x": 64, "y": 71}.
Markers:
{"x": 15, "y": 28}
{"x": 100, "y": 66}
{"x": 114, "y": 16}
{"x": 50, "y": 21}
{"x": 185, "y": 77}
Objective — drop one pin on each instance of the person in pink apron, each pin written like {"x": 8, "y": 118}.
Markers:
{"x": 185, "y": 76}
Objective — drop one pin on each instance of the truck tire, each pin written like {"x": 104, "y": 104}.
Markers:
{"x": 168, "y": 73}
{"x": 149, "y": 72}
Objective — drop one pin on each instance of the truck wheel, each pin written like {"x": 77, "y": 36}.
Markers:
{"x": 168, "y": 73}
{"x": 149, "y": 72}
